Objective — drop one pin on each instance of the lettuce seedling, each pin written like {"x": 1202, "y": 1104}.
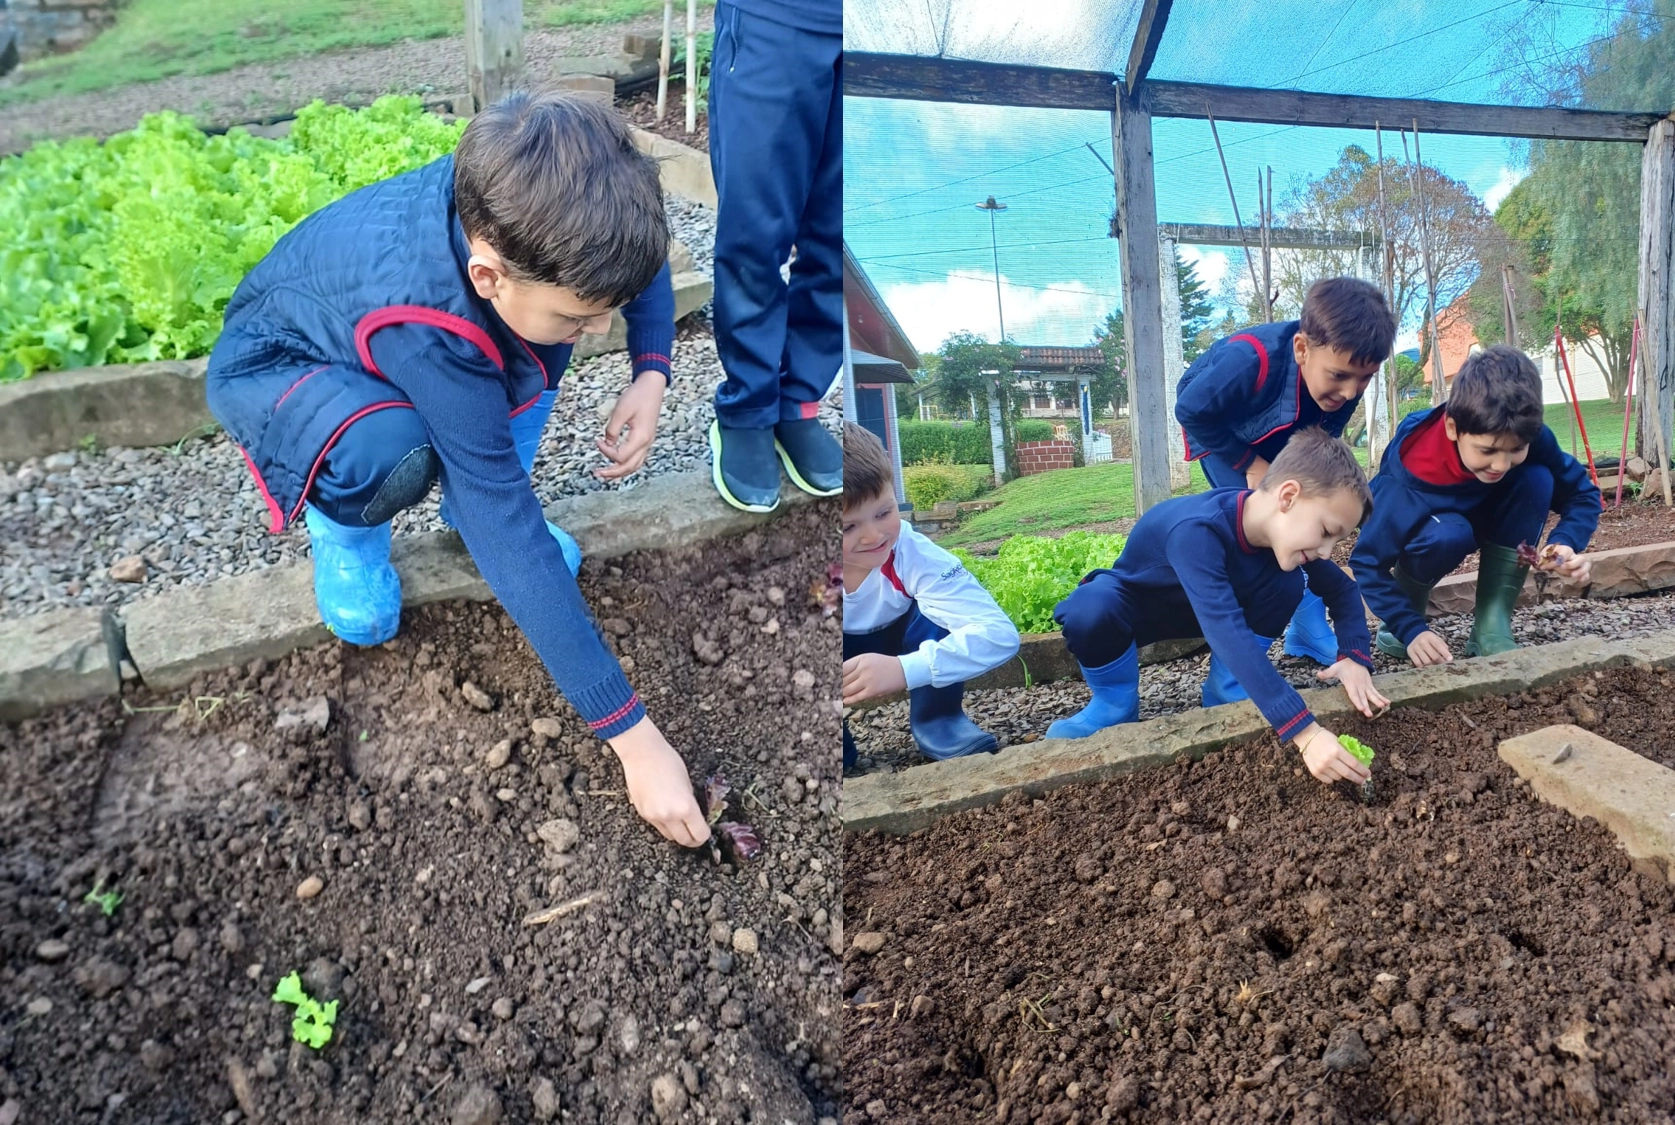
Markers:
{"x": 1362, "y": 753}
{"x": 741, "y": 839}
{"x": 106, "y": 901}
{"x": 828, "y": 595}
{"x": 313, "y": 1021}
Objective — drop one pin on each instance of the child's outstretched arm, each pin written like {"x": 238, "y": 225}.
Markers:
{"x": 1354, "y": 666}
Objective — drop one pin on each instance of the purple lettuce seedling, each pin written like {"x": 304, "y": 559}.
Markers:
{"x": 740, "y": 838}
{"x": 828, "y": 595}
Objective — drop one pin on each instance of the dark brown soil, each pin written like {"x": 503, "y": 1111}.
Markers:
{"x": 1143, "y": 949}
{"x": 208, "y": 817}
{"x": 641, "y": 109}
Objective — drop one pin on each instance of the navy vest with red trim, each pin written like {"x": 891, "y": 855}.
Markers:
{"x": 1261, "y": 359}
{"x": 390, "y": 253}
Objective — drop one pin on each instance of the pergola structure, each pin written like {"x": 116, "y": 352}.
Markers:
{"x": 1133, "y": 100}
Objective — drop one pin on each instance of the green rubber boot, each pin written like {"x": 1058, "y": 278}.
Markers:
{"x": 1419, "y": 597}
{"x": 1499, "y": 581}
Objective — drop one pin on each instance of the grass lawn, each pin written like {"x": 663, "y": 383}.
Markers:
{"x": 1604, "y": 420}
{"x": 161, "y": 38}
{"x": 1064, "y": 498}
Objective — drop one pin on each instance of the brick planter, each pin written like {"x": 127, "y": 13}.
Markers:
{"x": 1043, "y": 456}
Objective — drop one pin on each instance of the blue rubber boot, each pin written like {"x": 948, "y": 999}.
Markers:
{"x": 356, "y": 589}
{"x": 526, "y": 435}
{"x": 1220, "y": 686}
{"x": 941, "y": 728}
{"x": 812, "y": 457}
{"x": 1309, "y": 634}
{"x": 1116, "y": 698}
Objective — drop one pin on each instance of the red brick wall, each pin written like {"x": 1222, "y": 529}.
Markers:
{"x": 1043, "y": 456}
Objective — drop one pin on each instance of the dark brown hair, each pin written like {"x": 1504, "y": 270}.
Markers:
{"x": 1497, "y": 391}
{"x": 1320, "y": 464}
{"x": 1351, "y": 315}
{"x": 554, "y": 183}
{"x": 868, "y": 472}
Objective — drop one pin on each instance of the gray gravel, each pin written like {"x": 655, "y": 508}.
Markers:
{"x": 1019, "y": 715}
{"x": 434, "y": 67}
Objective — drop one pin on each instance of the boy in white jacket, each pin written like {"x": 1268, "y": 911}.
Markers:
{"x": 914, "y": 619}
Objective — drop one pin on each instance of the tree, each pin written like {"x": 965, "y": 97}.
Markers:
{"x": 1197, "y": 310}
{"x": 1109, "y": 388}
{"x": 968, "y": 369}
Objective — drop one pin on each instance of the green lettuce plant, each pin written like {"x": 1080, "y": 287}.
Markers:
{"x": 1362, "y": 753}
{"x": 1032, "y": 573}
{"x": 313, "y": 1021}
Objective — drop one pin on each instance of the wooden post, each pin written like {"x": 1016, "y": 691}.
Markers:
{"x": 493, "y": 49}
{"x": 1174, "y": 359}
{"x": 1439, "y": 384}
{"x": 691, "y": 66}
{"x": 663, "y": 58}
{"x": 997, "y": 435}
{"x": 1657, "y": 295}
{"x": 1142, "y": 298}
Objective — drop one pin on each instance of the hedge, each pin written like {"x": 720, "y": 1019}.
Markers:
{"x": 960, "y": 443}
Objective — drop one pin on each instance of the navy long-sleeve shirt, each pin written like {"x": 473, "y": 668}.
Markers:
{"x": 1402, "y": 502}
{"x": 1188, "y": 571}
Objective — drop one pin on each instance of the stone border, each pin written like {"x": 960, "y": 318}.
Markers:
{"x": 682, "y": 169}
{"x": 63, "y": 656}
{"x": 900, "y": 803}
{"x": 140, "y": 404}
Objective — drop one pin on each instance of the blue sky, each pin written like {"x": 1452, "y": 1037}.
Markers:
{"x": 913, "y": 171}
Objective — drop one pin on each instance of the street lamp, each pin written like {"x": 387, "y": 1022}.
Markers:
{"x": 991, "y": 207}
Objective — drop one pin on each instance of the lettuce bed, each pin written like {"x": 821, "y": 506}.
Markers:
{"x": 1031, "y": 574}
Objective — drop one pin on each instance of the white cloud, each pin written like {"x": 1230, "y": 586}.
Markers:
{"x": 1066, "y": 313}
{"x": 1212, "y": 265}
{"x": 1503, "y": 186}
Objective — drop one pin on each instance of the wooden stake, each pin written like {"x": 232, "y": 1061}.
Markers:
{"x": 542, "y": 917}
{"x": 1243, "y": 241}
{"x": 663, "y": 58}
{"x": 493, "y": 49}
{"x": 1388, "y": 257}
{"x": 1628, "y": 412}
{"x": 691, "y": 66}
{"x": 1508, "y": 313}
{"x": 1439, "y": 386}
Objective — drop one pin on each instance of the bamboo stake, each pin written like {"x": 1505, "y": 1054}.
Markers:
{"x": 1576, "y": 407}
{"x": 1388, "y": 258}
{"x": 1628, "y": 412}
{"x": 691, "y": 66}
{"x": 1267, "y": 264}
{"x": 1243, "y": 241}
{"x": 1558, "y": 323}
{"x": 663, "y": 58}
{"x": 1439, "y": 386}
{"x": 1508, "y": 313}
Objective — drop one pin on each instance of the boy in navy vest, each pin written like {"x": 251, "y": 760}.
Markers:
{"x": 914, "y": 619}
{"x": 1240, "y": 402}
{"x": 1479, "y": 473}
{"x": 776, "y": 148}
{"x": 417, "y": 330}
{"x": 1228, "y": 565}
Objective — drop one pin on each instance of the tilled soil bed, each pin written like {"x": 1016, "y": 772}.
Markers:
{"x": 411, "y": 781}
{"x": 1230, "y": 941}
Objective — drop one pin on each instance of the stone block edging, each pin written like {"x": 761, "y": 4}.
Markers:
{"x": 60, "y": 657}
{"x": 682, "y": 169}
{"x": 905, "y": 802}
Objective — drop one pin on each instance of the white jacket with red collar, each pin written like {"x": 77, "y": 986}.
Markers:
{"x": 980, "y": 637}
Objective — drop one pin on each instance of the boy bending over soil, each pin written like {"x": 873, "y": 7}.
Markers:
{"x": 1228, "y": 565}
{"x": 1479, "y": 473}
{"x": 914, "y": 618}
{"x": 416, "y": 331}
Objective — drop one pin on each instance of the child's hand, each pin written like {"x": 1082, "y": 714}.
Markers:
{"x": 1258, "y": 469}
{"x": 1427, "y": 649}
{"x": 871, "y": 675}
{"x": 658, "y": 784}
{"x": 637, "y": 409}
{"x": 1326, "y": 758}
{"x": 1571, "y": 566}
{"x": 1358, "y": 685}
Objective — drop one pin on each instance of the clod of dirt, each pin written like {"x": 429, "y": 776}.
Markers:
{"x": 560, "y": 834}
{"x": 1580, "y": 1090}
{"x": 870, "y": 942}
{"x": 1575, "y": 1041}
{"x": 921, "y": 1006}
{"x": 1406, "y": 1018}
{"x": 323, "y": 979}
{"x": 232, "y": 939}
{"x": 1465, "y": 1021}
{"x": 1163, "y": 888}
{"x": 668, "y": 1097}
{"x": 479, "y": 1105}
{"x": 1346, "y": 1051}
{"x": 545, "y": 1096}
{"x": 310, "y": 718}
{"x": 1088, "y": 869}
{"x": 1123, "y": 1094}
{"x": 1383, "y": 989}
{"x": 706, "y": 650}
{"x": 1214, "y": 882}
{"x": 99, "y": 977}
{"x": 310, "y": 887}
{"x": 745, "y": 941}
{"x": 1261, "y": 1077}
{"x": 499, "y": 754}
{"x": 476, "y": 696}
{"x": 130, "y": 569}
{"x": 52, "y": 950}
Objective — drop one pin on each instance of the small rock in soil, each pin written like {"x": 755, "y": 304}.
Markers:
{"x": 629, "y": 1035}
{"x": 1214, "y": 882}
{"x": 131, "y": 569}
{"x": 1464, "y": 1021}
{"x": 560, "y": 834}
{"x": 1163, "y": 888}
{"x": 922, "y": 1006}
{"x": 547, "y": 728}
{"x": 477, "y": 1106}
{"x": 668, "y": 1097}
{"x": 1123, "y": 1094}
{"x": 1346, "y": 1050}
{"x": 745, "y": 941}
{"x": 476, "y": 696}
{"x": 10, "y": 1111}
{"x": 99, "y": 977}
{"x": 52, "y": 950}
{"x": 1383, "y": 989}
{"x": 231, "y": 939}
{"x": 38, "y": 1007}
{"x": 503, "y": 1009}
{"x": 732, "y": 1014}
{"x": 239, "y": 1079}
{"x": 870, "y": 942}
{"x": 499, "y": 754}
{"x": 477, "y": 985}
{"x": 1406, "y": 1018}
{"x": 310, "y": 887}
{"x": 1088, "y": 869}
{"x": 545, "y": 1096}
{"x": 323, "y": 979}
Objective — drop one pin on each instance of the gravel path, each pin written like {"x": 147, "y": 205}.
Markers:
{"x": 258, "y": 91}
{"x": 1018, "y": 715}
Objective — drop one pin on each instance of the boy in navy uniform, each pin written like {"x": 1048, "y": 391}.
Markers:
{"x": 417, "y": 330}
{"x": 914, "y": 619}
{"x": 776, "y": 148}
{"x": 1228, "y": 565}
{"x": 1243, "y": 399}
{"x": 1479, "y": 473}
